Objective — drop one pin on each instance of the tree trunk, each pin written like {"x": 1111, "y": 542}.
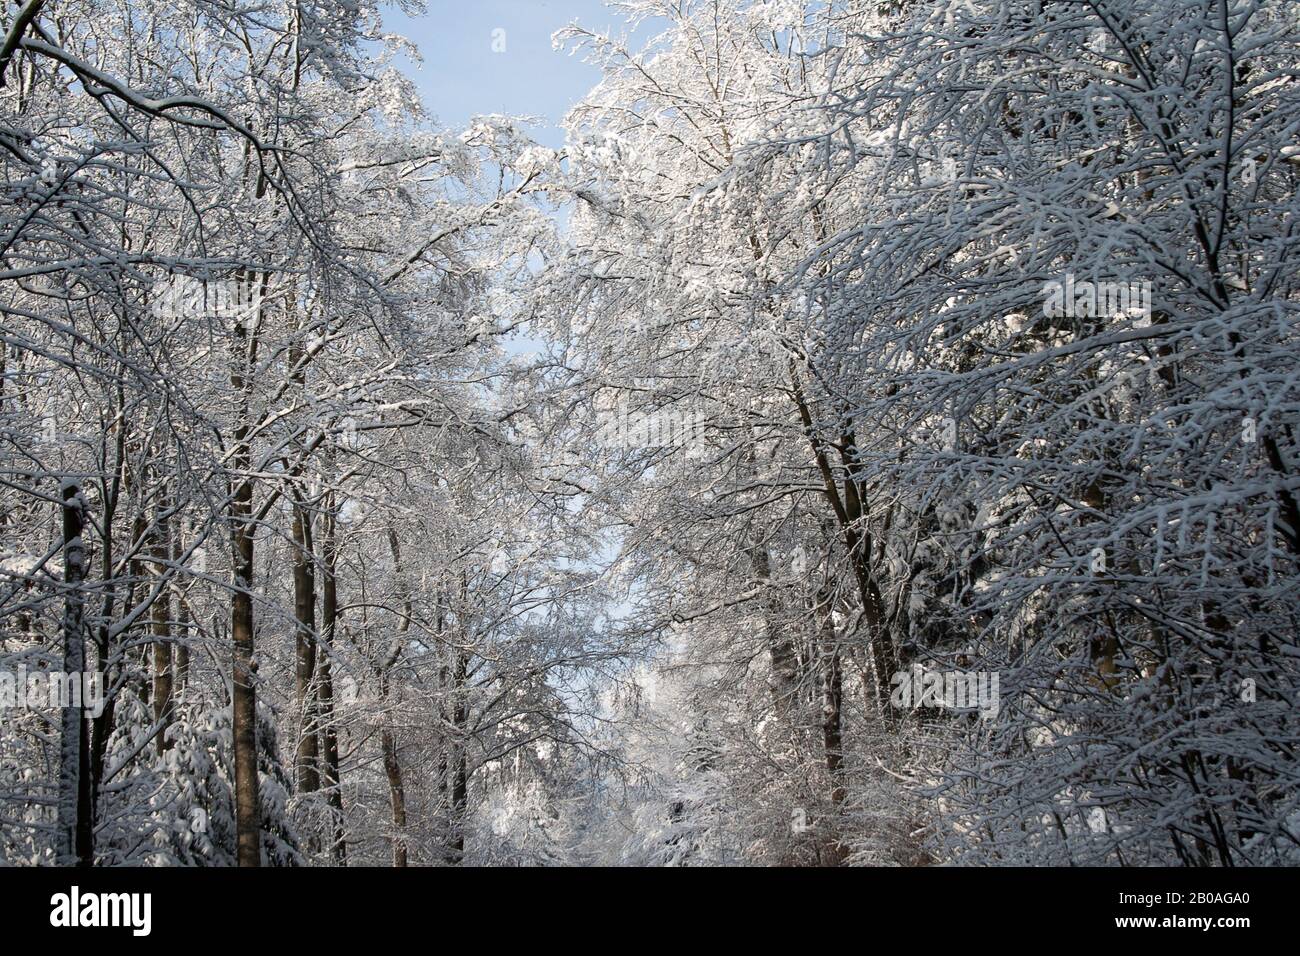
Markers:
{"x": 329, "y": 622}
{"x": 101, "y": 727}
{"x": 75, "y": 832}
{"x": 243, "y": 527}
{"x": 784, "y": 682}
{"x": 459, "y": 768}
{"x": 244, "y": 696}
{"x": 304, "y": 605}
{"x": 850, "y": 515}
{"x": 832, "y": 699}
{"x": 459, "y": 800}
{"x": 396, "y": 789}
{"x": 184, "y": 623}
{"x": 160, "y": 625}
{"x": 388, "y": 741}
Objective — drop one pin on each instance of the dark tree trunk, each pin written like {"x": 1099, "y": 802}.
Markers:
{"x": 243, "y": 692}
{"x": 388, "y": 739}
{"x": 160, "y": 625}
{"x": 832, "y": 699}
{"x": 304, "y": 604}
{"x": 244, "y": 696}
{"x": 784, "y": 683}
{"x": 329, "y": 624}
{"x": 76, "y": 834}
{"x": 243, "y": 528}
{"x": 846, "y": 503}
{"x": 184, "y": 622}
{"x": 396, "y": 789}
{"x": 459, "y": 783}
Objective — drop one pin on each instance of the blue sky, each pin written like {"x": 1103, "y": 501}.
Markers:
{"x": 462, "y": 75}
